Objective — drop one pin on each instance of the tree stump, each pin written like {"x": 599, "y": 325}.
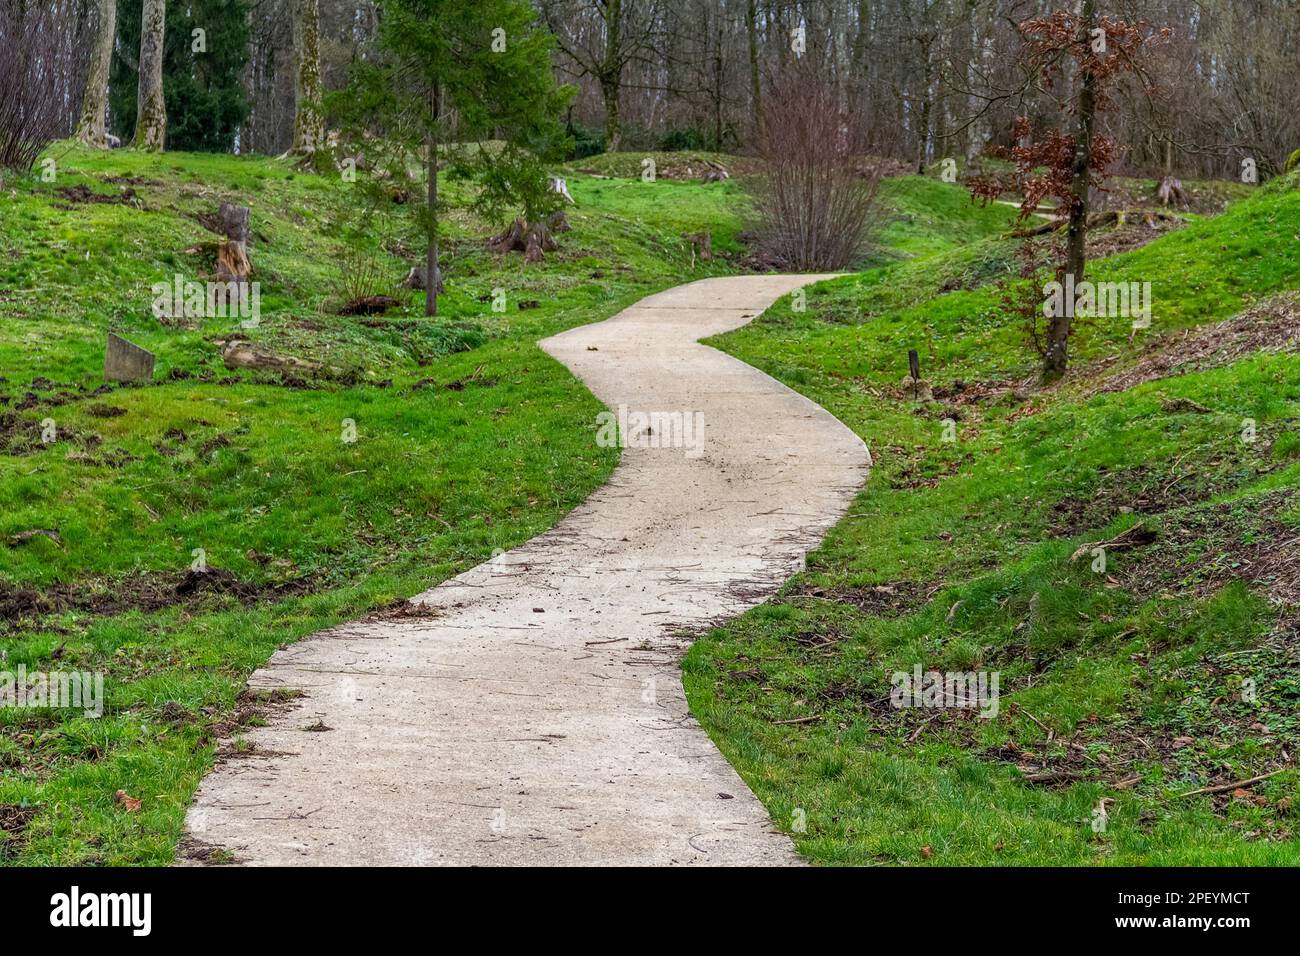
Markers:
{"x": 701, "y": 243}
{"x": 418, "y": 278}
{"x": 1171, "y": 190}
{"x": 715, "y": 173}
{"x": 532, "y": 239}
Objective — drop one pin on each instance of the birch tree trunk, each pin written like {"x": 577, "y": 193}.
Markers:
{"x": 90, "y": 129}
{"x": 151, "y": 111}
{"x": 309, "y": 118}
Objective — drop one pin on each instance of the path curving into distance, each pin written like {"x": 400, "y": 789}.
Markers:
{"x": 539, "y": 717}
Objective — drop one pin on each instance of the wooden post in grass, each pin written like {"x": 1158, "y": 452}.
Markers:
{"x": 914, "y": 366}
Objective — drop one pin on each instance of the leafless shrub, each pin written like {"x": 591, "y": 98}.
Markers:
{"x": 33, "y": 52}
{"x": 814, "y": 206}
{"x": 362, "y": 285}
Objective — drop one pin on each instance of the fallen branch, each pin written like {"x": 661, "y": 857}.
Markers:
{"x": 1133, "y": 537}
{"x": 1224, "y": 787}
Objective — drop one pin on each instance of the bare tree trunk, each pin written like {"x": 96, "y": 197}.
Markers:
{"x": 309, "y": 119}
{"x": 755, "y": 88}
{"x": 1058, "y": 329}
{"x": 90, "y": 129}
{"x": 151, "y": 110}
{"x": 433, "y": 275}
{"x": 611, "y": 74}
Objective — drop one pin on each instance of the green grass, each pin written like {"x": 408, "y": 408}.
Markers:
{"x": 468, "y": 439}
{"x": 958, "y": 556}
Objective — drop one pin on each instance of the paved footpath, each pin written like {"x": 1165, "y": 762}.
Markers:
{"x": 539, "y": 718}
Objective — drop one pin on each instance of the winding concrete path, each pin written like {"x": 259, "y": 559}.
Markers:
{"x": 539, "y": 718}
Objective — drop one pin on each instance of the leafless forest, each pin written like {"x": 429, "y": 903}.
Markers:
{"x": 927, "y": 78}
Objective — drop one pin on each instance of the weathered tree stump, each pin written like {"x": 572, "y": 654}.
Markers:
{"x": 233, "y": 264}
{"x": 715, "y": 173}
{"x": 701, "y": 244}
{"x": 418, "y": 277}
{"x": 532, "y": 239}
{"x": 1171, "y": 190}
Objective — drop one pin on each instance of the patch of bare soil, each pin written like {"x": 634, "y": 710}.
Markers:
{"x": 1142, "y": 489}
{"x": 1269, "y": 326}
{"x": 194, "y": 850}
{"x": 1133, "y": 231}
{"x": 253, "y": 707}
{"x": 151, "y": 591}
{"x": 84, "y": 194}
{"x": 884, "y": 600}
{"x": 13, "y": 824}
{"x": 1202, "y": 549}
{"x": 1129, "y": 194}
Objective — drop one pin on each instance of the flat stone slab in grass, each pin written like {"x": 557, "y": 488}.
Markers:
{"x": 534, "y": 712}
{"x": 126, "y": 362}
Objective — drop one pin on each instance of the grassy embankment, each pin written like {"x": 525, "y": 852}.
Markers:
{"x": 468, "y": 439}
{"x": 1174, "y": 669}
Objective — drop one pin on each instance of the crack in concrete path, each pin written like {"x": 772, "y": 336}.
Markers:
{"x": 540, "y": 718}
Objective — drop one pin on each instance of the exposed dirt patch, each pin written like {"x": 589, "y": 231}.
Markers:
{"x": 369, "y": 305}
{"x": 84, "y": 194}
{"x": 1202, "y": 549}
{"x": 1134, "y": 232}
{"x": 147, "y": 592}
{"x": 884, "y": 600}
{"x": 1270, "y": 326}
{"x": 105, "y": 411}
{"x": 194, "y": 850}
{"x": 253, "y": 707}
{"x": 1146, "y": 490}
{"x": 13, "y": 824}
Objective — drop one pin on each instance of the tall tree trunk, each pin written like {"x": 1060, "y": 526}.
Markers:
{"x": 432, "y": 274}
{"x": 1058, "y": 329}
{"x": 755, "y": 88}
{"x": 611, "y": 74}
{"x": 151, "y": 110}
{"x": 309, "y": 118}
{"x": 90, "y": 128}
{"x": 927, "y": 102}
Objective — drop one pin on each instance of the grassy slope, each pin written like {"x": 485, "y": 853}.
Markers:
{"x": 1138, "y": 672}
{"x": 260, "y": 478}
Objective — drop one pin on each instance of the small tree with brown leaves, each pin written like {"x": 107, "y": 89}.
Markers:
{"x": 1065, "y": 165}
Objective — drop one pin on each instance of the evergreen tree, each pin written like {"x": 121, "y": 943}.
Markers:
{"x": 201, "y": 73}
{"x": 452, "y": 74}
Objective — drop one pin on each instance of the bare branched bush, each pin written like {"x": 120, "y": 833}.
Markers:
{"x": 33, "y": 51}
{"x": 815, "y": 205}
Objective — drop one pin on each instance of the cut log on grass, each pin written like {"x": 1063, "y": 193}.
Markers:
{"x": 240, "y": 354}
